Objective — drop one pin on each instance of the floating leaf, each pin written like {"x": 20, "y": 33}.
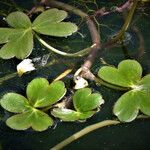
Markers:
{"x": 127, "y": 75}
{"x": 21, "y": 47}
{"x": 70, "y": 115}
{"x": 8, "y": 34}
{"x": 84, "y": 101}
{"x": 14, "y": 102}
{"x": 129, "y": 104}
{"x": 65, "y": 114}
{"x": 138, "y": 99}
{"x": 49, "y": 23}
{"x": 146, "y": 82}
{"x": 18, "y": 20}
{"x": 19, "y": 39}
{"x": 37, "y": 120}
{"x": 41, "y": 94}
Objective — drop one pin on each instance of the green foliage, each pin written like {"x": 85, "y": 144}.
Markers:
{"x": 18, "y": 39}
{"x": 85, "y": 105}
{"x": 129, "y": 74}
{"x": 40, "y": 94}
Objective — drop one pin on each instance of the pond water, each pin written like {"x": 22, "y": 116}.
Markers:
{"x": 133, "y": 135}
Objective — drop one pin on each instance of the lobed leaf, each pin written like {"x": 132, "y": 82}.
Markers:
{"x": 14, "y": 103}
{"x": 128, "y": 74}
{"x": 18, "y": 20}
{"x": 50, "y": 16}
{"x": 41, "y": 94}
{"x": 37, "y": 120}
{"x": 49, "y": 23}
{"x": 65, "y": 114}
{"x": 70, "y": 115}
{"x": 8, "y": 34}
{"x": 84, "y": 101}
{"x": 21, "y": 46}
{"x": 57, "y": 29}
{"x": 129, "y": 104}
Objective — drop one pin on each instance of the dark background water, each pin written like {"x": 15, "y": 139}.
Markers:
{"x": 135, "y": 135}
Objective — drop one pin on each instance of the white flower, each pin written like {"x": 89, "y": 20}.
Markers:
{"x": 25, "y": 66}
{"x": 80, "y": 83}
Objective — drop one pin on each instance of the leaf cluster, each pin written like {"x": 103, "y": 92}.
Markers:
{"x": 18, "y": 39}
{"x": 129, "y": 74}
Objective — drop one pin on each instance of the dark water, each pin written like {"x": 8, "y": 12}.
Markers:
{"x": 135, "y": 135}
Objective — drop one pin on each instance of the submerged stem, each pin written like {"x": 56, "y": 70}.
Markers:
{"x": 7, "y": 77}
{"x": 125, "y": 26}
{"x": 77, "y": 54}
{"x": 83, "y": 132}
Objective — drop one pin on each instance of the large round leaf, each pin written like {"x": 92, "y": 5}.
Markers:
{"x": 14, "y": 102}
{"x": 33, "y": 118}
{"x": 49, "y": 23}
{"x": 127, "y": 75}
{"x": 21, "y": 46}
{"x": 41, "y": 94}
{"x": 18, "y": 20}
{"x": 84, "y": 101}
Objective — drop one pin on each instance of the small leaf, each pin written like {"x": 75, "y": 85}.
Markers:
{"x": 71, "y": 115}
{"x": 57, "y": 29}
{"x": 65, "y": 114}
{"x": 129, "y": 104}
{"x": 41, "y": 94}
{"x": 21, "y": 47}
{"x": 127, "y": 75}
{"x": 14, "y": 102}
{"x": 37, "y": 120}
{"x": 49, "y": 23}
{"x": 84, "y": 101}
{"x": 18, "y": 20}
{"x": 50, "y": 16}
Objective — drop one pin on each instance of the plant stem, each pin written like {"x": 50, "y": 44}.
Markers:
{"x": 89, "y": 129}
{"x": 77, "y": 54}
{"x": 91, "y": 25}
{"x": 124, "y": 27}
{"x": 7, "y": 77}
{"x": 83, "y": 132}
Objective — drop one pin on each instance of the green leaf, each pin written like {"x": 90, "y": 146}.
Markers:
{"x": 50, "y": 16}
{"x": 41, "y": 94}
{"x": 65, "y": 114}
{"x": 49, "y": 23}
{"x": 37, "y": 120}
{"x": 8, "y": 34}
{"x": 129, "y": 104}
{"x": 21, "y": 46}
{"x": 85, "y": 115}
{"x": 84, "y": 101}
{"x": 70, "y": 115}
{"x": 18, "y": 20}
{"x": 127, "y": 75}
{"x": 145, "y": 82}
{"x": 14, "y": 102}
